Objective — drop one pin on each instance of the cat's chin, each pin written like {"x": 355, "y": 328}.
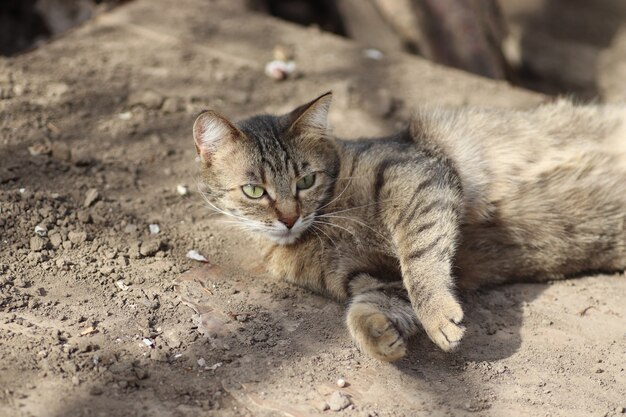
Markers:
{"x": 283, "y": 238}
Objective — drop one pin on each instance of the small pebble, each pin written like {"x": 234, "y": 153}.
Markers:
{"x": 121, "y": 285}
{"x": 279, "y": 70}
{"x": 107, "y": 270}
{"x": 196, "y": 256}
{"x": 149, "y": 247}
{"x": 338, "y": 401}
{"x": 35, "y": 257}
{"x": 56, "y": 240}
{"x": 90, "y": 197}
{"x": 374, "y": 54}
{"x": 39, "y": 149}
{"x": 88, "y": 330}
{"x": 154, "y": 228}
{"x": 182, "y": 189}
{"x": 41, "y": 231}
{"x": 341, "y": 383}
{"x": 37, "y": 243}
{"x": 77, "y": 237}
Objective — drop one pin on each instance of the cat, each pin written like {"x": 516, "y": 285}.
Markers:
{"x": 394, "y": 226}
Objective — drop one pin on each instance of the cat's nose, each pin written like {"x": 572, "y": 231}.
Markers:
{"x": 288, "y": 221}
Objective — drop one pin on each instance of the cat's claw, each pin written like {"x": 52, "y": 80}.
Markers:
{"x": 442, "y": 324}
{"x": 375, "y": 334}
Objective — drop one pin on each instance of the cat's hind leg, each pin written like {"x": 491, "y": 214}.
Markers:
{"x": 380, "y": 318}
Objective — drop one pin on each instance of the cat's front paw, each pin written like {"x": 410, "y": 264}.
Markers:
{"x": 374, "y": 333}
{"x": 441, "y": 318}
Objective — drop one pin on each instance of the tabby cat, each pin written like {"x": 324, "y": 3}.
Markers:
{"x": 394, "y": 225}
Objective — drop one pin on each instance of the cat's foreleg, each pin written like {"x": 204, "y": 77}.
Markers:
{"x": 380, "y": 317}
{"x": 426, "y": 265}
{"x": 425, "y": 235}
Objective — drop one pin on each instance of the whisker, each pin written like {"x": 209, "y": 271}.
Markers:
{"x": 206, "y": 198}
{"x": 318, "y": 237}
{"x": 337, "y": 226}
{"x": 325, "y": 234}
{"x": 340, "y": 194}
{"x": 358, "y": 221}
{"x": 242, "y": 226}
{"x": 363, "y": 206}
{"x": 351, "y": 177}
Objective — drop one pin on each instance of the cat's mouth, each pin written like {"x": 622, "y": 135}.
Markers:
{"x": 287, "y": 236}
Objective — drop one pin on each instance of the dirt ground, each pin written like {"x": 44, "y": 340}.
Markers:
{"x": 101, "y": 317}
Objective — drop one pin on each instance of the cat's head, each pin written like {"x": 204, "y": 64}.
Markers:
{"x": 270, "y": 174}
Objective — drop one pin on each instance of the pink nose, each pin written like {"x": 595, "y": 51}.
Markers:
{"x": 288, "y": 221}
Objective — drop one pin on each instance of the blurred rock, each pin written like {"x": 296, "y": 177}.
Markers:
{"x": 77, "y": 237}
{"x": 172, "y": 105}
{"x": 150, "y": 247}
{"x": 37, "y": 243}
{"x": 90, "y": 197}
{"x": 148, "y": 98}
{"x": 338, "y": 401}
{"x": 612, "y": 69}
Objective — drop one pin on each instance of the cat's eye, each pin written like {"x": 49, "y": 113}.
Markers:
{"x": 306, "y": 182}
{"x": 253, "y": 191}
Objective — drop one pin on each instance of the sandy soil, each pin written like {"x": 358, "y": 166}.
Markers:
{"x": 101, "y": 317}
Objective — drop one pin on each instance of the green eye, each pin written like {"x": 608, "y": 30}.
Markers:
{"x": 253, "y": 191}
{"x": 306, "y": 182}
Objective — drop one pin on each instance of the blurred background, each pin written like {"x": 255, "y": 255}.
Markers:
{"x": 552, "y": 46}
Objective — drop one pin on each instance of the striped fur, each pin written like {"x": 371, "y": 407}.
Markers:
{"x": 461, "y": 198}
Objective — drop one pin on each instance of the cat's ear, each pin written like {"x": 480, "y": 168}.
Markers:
{"x": 209, "y": 130}
{"x": 312, "y": 115}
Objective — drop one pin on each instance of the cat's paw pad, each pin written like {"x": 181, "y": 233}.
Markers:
{"x": 375, "y": 334}
{"x": 442, "y": 323}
